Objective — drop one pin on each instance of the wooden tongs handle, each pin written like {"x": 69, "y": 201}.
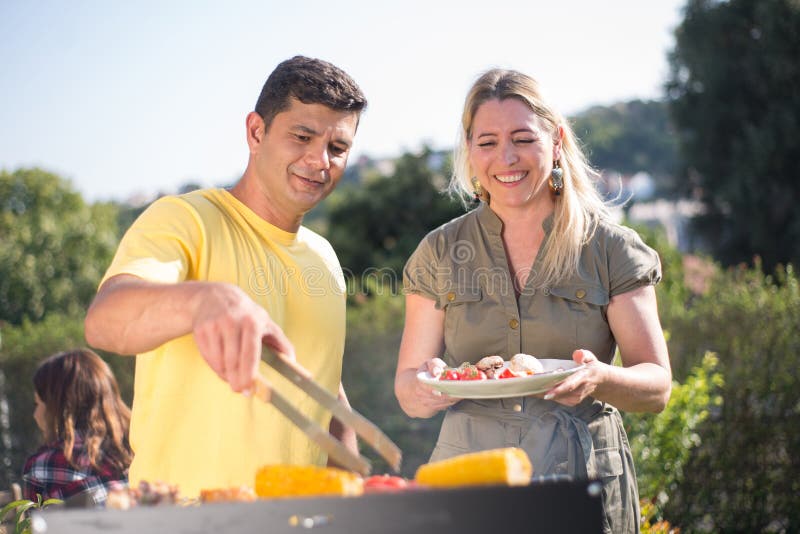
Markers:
{"x": 335, "y": 449}
{"x": 368, "y": 431}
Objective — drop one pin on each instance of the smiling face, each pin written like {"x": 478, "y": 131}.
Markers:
{"x": 301, "y": 157}
{"x": 511, "y": 153}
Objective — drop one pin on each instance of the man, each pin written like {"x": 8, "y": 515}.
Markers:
{"x": 213, "y": 274}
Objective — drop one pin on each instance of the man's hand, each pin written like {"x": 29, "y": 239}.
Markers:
{"x": 230, "y": 329}
{"x": 130, "y": 315}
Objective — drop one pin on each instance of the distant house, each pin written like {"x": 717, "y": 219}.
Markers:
{"x": 635, "y": 198}
{"x": 673, "y": 216}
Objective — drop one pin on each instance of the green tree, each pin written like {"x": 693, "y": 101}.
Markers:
{"x": 378, "y": 224}
{"x": 53, "y": 246}
{"x": 630, "y": 137}
{"x": 734, "y": 93}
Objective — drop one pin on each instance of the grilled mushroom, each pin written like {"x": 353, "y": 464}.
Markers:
{"x": 491, "y": 365}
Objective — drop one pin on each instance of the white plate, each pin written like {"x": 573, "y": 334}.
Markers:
{"x": 555, "y": 371}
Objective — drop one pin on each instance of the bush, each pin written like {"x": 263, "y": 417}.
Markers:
{"x": 738, "y": 478}
{"x": 662, "y": 444}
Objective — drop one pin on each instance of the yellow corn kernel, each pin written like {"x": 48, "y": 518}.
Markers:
{"x": 306, "y": 480}
{"x": 509, "y": 466}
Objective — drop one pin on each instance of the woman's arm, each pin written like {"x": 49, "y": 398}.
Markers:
{"x": 644, "y": 382}
{"x": 422, "y": 343}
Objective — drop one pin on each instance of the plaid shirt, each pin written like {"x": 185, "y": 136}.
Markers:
{"x": 48, "y": 473}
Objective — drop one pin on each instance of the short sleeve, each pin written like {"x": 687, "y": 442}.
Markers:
{"x": 632, "y": 264}
{"x": 419, "y": 274}
{"x": 161, "y": 245}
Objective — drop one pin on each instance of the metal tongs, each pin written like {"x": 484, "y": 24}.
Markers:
{"x": 301, "y": 378}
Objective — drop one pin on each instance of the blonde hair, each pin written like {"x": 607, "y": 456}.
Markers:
{"x": 578, "y": 209}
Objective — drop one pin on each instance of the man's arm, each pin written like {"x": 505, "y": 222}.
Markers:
{"x": 130, "y": 315}
{"x": 343, "y": 433}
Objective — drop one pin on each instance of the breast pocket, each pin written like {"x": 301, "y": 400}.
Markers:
{"x": 580, "y": 312}
{"x": 463, "y": 321}
{"x": 462, "y": 305}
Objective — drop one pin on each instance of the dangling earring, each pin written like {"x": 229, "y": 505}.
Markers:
{"x": 476, "y": 186}
{"x": 556, "y": 180}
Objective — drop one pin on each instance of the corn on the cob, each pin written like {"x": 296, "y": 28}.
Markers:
{"x": 509, "y": 466}
{"x": 306, "y": 480}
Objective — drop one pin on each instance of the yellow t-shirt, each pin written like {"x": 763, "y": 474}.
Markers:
{"x": 188, "y": 427}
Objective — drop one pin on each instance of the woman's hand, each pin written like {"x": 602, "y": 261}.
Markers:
{"x": 435, "y": 367}
{"x": 643, "y": 382}
{"x": 580, "y": 384}
{"x": 423, "y": 336}
{"x": 417, "y": 399}
{"x": 427, "y": 397}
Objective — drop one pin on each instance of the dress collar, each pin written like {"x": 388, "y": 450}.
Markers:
{"x": 494, "y": 225}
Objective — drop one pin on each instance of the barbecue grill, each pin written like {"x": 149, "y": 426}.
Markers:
{"x": 542, "y": 507}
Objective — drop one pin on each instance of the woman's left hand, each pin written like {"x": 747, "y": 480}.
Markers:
{"x": 580, "y": 384}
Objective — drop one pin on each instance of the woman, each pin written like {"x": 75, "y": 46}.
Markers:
{"x": 537, "y": 268}
{"x": 84, "y": 422}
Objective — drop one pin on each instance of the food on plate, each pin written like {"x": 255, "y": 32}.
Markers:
{"x": 233, "y": 494}
{"x": 491, "y": 365}
{"x": 525, "y": 363}
{"x": 145, "y": 494}
{"x": 494, "y": 367}
{"x": 120, "y": 499}
{"x": 465, "y": 371}
{"x": 157, "y": 492}
{"x": 282, "y": 480}
{"x": 509, "y": 466}
{"x": 384, "y": 483}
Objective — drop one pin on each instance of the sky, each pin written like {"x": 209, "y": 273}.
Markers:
{"x": 135, "y": 98}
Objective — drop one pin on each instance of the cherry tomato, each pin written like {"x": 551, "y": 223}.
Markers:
{"x": 378, "y": 483}
{"x": 450, "y": 374}
{"x": 507, "y": 373}
{"x": 470, "y": 372}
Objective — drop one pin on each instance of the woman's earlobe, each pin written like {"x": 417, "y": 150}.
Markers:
{"x": 557, "y": 148}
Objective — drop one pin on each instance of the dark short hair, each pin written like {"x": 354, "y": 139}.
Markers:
{"x": 311, "y": 81}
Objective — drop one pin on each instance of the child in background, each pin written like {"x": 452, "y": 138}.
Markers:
{"x": 84, "y": 422}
